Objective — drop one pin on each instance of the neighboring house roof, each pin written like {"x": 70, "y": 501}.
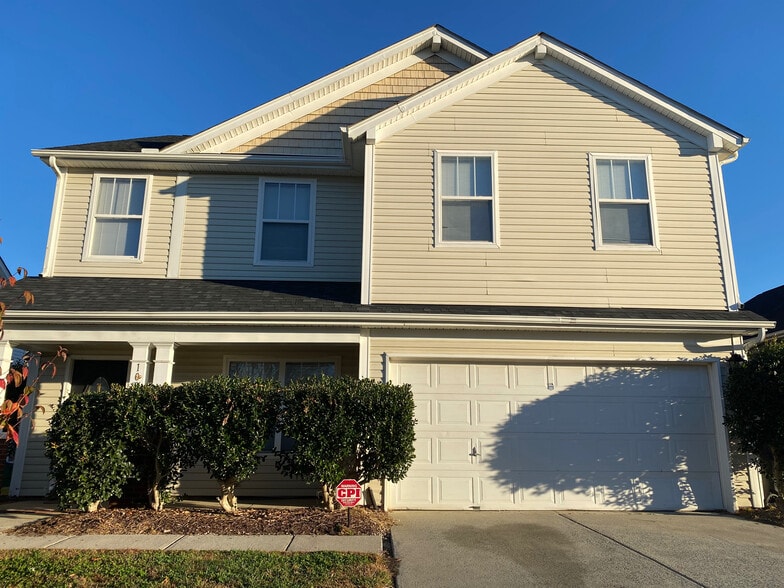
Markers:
{"x": 84, "y": 299}
{"x": 580, "y": 65}
{"x": 4, "y": 271}
{"x": 770, "y": 304}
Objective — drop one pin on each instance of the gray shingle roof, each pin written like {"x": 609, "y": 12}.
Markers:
{"x": 140, "y": 295}
{"x": 125, "y": 145}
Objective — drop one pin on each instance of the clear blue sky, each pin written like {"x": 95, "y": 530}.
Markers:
{"x": 82, "y": 71}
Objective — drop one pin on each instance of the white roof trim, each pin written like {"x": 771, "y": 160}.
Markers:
{"x": 323, "y": 90}
{"x": 460, "y": 85}
{"x": 54, "y": 320}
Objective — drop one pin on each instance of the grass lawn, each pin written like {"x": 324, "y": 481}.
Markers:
{"x": 26, "y": 568}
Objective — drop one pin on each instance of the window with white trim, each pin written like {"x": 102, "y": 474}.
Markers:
{"x": 466, "y": 198}
{"x": 623, "y": 201}
{"x": 117, "y": 217}
{"x": 284, "y": 372}
{"x": 286, "y": 219}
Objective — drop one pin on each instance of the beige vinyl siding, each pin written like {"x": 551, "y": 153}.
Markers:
{"x": 193, "y": 362}
{"x": 477, "y": 346}
{"x": 542, "y": 127}
{"x": 318, "y": 133}
{"x": 75, "y": 218}
{"x": 220, "y": 231}
{"x": 35, "y": 479}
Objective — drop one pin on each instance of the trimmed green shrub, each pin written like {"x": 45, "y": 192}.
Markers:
{"x": 346, "y": 428}
{"x": 157, "y": 440}
{"x": 754, "y": 404}
{"x": 228, "y": 421}
{"x": 87, "y": 449}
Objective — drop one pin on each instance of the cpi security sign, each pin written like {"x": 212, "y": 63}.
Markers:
{"x": 348, "y": 493}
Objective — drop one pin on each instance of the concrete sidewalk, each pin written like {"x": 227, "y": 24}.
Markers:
{"x": 15, "y": 514}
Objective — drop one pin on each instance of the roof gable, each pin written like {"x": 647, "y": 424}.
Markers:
{"x": 577, "y": 65}
{"x": 244, "y": 128}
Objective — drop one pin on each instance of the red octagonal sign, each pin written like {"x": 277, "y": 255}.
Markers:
{"x": 348, "y": 493}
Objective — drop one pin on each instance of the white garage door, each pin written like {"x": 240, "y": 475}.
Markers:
{"x": 560, "y": 436}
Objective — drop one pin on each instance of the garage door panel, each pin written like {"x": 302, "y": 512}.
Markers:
{"x": 650, "y": 416}
{"x": 456, "y": 490}
{"x": 685, "y": 381}
{"x": 535, "y": 488}
{"x": 660, "y": 491}
{"x": 448, "y": 374}
{"x": 454, "y": 451}
{"x": 423, "y": 412}
{"x": 562, "y": 436}
{"x": 416, "y": 491}
{"x": 423, "y": 450}
{"x": 569, "y": 378}
{"x": 694, "y": 453}
{"x": 416, "y": 374}
{"x": 531, "y": 379}
{"x": 492, "y": 413}
{"x": 491, "y": 492}
{"x": 453, "y": 412}
{"x": 489, "y": 377}
{"x": 693, "y": 416}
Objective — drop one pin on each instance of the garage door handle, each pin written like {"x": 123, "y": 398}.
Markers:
{"x": 474, "y": 452}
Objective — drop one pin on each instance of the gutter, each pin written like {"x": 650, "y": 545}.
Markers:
{"x": 386, "y": 321}
{"x": 54, "y": 224}
{"x": 756, "y": 340}
{"x": 158, "y": 157}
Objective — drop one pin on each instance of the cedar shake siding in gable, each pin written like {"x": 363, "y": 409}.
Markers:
{"x": 220, "y": 231}
{"x": 318, "y": 133}
{"x": 542, "y": 126}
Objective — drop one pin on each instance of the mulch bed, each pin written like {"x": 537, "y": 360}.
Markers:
{"x": 180, "y": 521}
{"x": 770, "y": 515}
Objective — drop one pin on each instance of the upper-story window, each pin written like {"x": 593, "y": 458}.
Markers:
{"x": 116, "y": 227}
{"x": 286, "y": 222}
{"x": 466, "y": 198}
{"x": 623, "y": 201}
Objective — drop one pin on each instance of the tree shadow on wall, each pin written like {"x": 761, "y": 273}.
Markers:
{"x": 657, "y": 452}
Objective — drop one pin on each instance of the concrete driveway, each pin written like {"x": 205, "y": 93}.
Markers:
{"x": 579, "y": 548}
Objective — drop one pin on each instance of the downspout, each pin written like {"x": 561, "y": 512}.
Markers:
{"x": 756, "y": 340}
{"x": 54, "y": 223}
{"x": 723, "y": 227}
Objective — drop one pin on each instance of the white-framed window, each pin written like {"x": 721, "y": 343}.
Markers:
{"x": 118, "y": 205}
{"x": 624, "y": 212}
{"x": 286, "y": 222}
{"x": 466, "y": 198}
{"x": 285, "y": 371}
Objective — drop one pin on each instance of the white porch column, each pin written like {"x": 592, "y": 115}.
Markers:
{"x": 164, "y": 363}
{"x": 5, "y": 357}
{"x": 25, "y": 426}
{"x": 140, "y": 363}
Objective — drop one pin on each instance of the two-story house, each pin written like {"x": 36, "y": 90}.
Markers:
{"x": 536, "y": 242}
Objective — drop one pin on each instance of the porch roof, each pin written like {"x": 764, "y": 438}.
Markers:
{"x": 146, "y": 296}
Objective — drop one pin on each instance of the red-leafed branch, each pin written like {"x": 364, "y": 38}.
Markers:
{"x": 12, "y": 411}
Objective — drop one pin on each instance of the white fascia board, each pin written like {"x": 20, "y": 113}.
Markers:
{"x": 184, "y": 157}
{"x": 642, "y": 93}
{"x": 351, "y": 74}
{"x": 293, "y": 107}
{"x": 17, "y": 319}
{"x": 476, "y": 77}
